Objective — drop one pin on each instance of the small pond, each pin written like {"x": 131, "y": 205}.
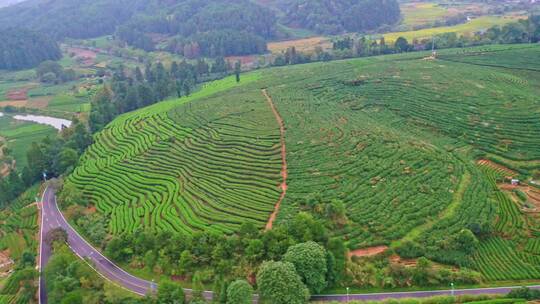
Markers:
{"x": 56, "y": 123}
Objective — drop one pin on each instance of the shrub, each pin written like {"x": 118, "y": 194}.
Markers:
{"x": 239, "y": 292}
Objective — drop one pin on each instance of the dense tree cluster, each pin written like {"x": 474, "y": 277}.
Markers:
{"x": 336, "y": 16}
{"x": 212, "y": 255}
{"x": 208, "y": 22}
{"x": 378, "y": 272}
{"x": 218, "y": 260}
{"x": 525, "y": 293}
{"x": 130, "y": 90}
{"x": 22, "y": 49}
{"x": 198, "y": 16}
{"x": 52, "y": 72}
{"x": 228, "y": 42}
{"x": 71, "y": 281}
{"x": 309, "y": 260}
{"x": 205, "y": 28}
{"x": 53, "y": 156}
{"x": 193, "y": 27}
{"x": 10, "y": 188}
{"x": 280, "y": 284}
{"x": 217, "y": 43}
{"x": 73, "y": 19}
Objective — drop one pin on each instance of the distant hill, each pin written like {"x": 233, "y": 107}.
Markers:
{"x": 207, "y": 27}
{"x": 335, "y": 16}
{"x": 72, "y": 18}
{"x": 23, "y": 49}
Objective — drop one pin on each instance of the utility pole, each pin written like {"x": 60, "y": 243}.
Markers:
{"x": 433, "y": 53}
{"x": 529, "y": 27}
{"x": 347, "y": 294}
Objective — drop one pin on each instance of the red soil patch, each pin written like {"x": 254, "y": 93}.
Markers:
{"x": 396, "y": 259}
{"x": 532, "y": 193}
{"x": 90, "y": 210}
{"x": 283, "y": 185}
{"x": 14, "y": 103}
{"x": 34, "y": 103}
{"x": 497, "y": 167}
{"x": 84, "y": 56}
{"x": 367, "y": 252}
{"x": 179, "y": 278}
{"x": 39, "y": 102}
{"x": 4, "y": 170}
{"x": 5, "y": 259}
{"x": 247, "y": 61}
{"x": 17, "y": 94}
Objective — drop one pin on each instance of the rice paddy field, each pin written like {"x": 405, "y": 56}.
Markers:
{"x": 420, "y": 13}
{"x": 470, "y": 27}
{"x": 402, "y": 140}
{"x": 19, "y": 135}
{"x": 307, "y": 45}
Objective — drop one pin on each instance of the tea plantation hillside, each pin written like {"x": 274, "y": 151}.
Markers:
{"x": 416, "y": 149}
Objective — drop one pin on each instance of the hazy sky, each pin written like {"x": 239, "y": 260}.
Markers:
{"x": 4, "y": 3}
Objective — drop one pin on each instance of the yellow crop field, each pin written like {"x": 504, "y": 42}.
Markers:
{"x": 475, "y": 25}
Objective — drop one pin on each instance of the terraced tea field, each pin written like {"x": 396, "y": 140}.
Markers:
{"x": 19, "y": 225}
{"x": 398, "y": 139}
{"x": 18, "y": 234}
{"x": 187, "y": 166}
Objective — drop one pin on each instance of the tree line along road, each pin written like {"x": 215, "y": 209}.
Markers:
{"x": 52, "y": 217}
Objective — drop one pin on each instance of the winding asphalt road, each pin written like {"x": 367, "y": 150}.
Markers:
{"x": 51, "y": 218}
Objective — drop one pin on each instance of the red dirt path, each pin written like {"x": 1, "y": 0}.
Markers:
{"x": 367, "y": 252}
{"x": 283, "y": 185}
{"x": 4, "y": 170}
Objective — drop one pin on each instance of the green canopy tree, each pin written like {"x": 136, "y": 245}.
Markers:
{"x": 402, "y": 45}
{"x": 280, "y": 284}
{"x": 239, "y": 292}
{"x": 309, "y": 260}
{"x": 170, "y": 293}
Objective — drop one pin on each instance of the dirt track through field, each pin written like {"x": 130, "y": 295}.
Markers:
{"x": 367, "y": 252}
{"x": 283, "y": 186}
